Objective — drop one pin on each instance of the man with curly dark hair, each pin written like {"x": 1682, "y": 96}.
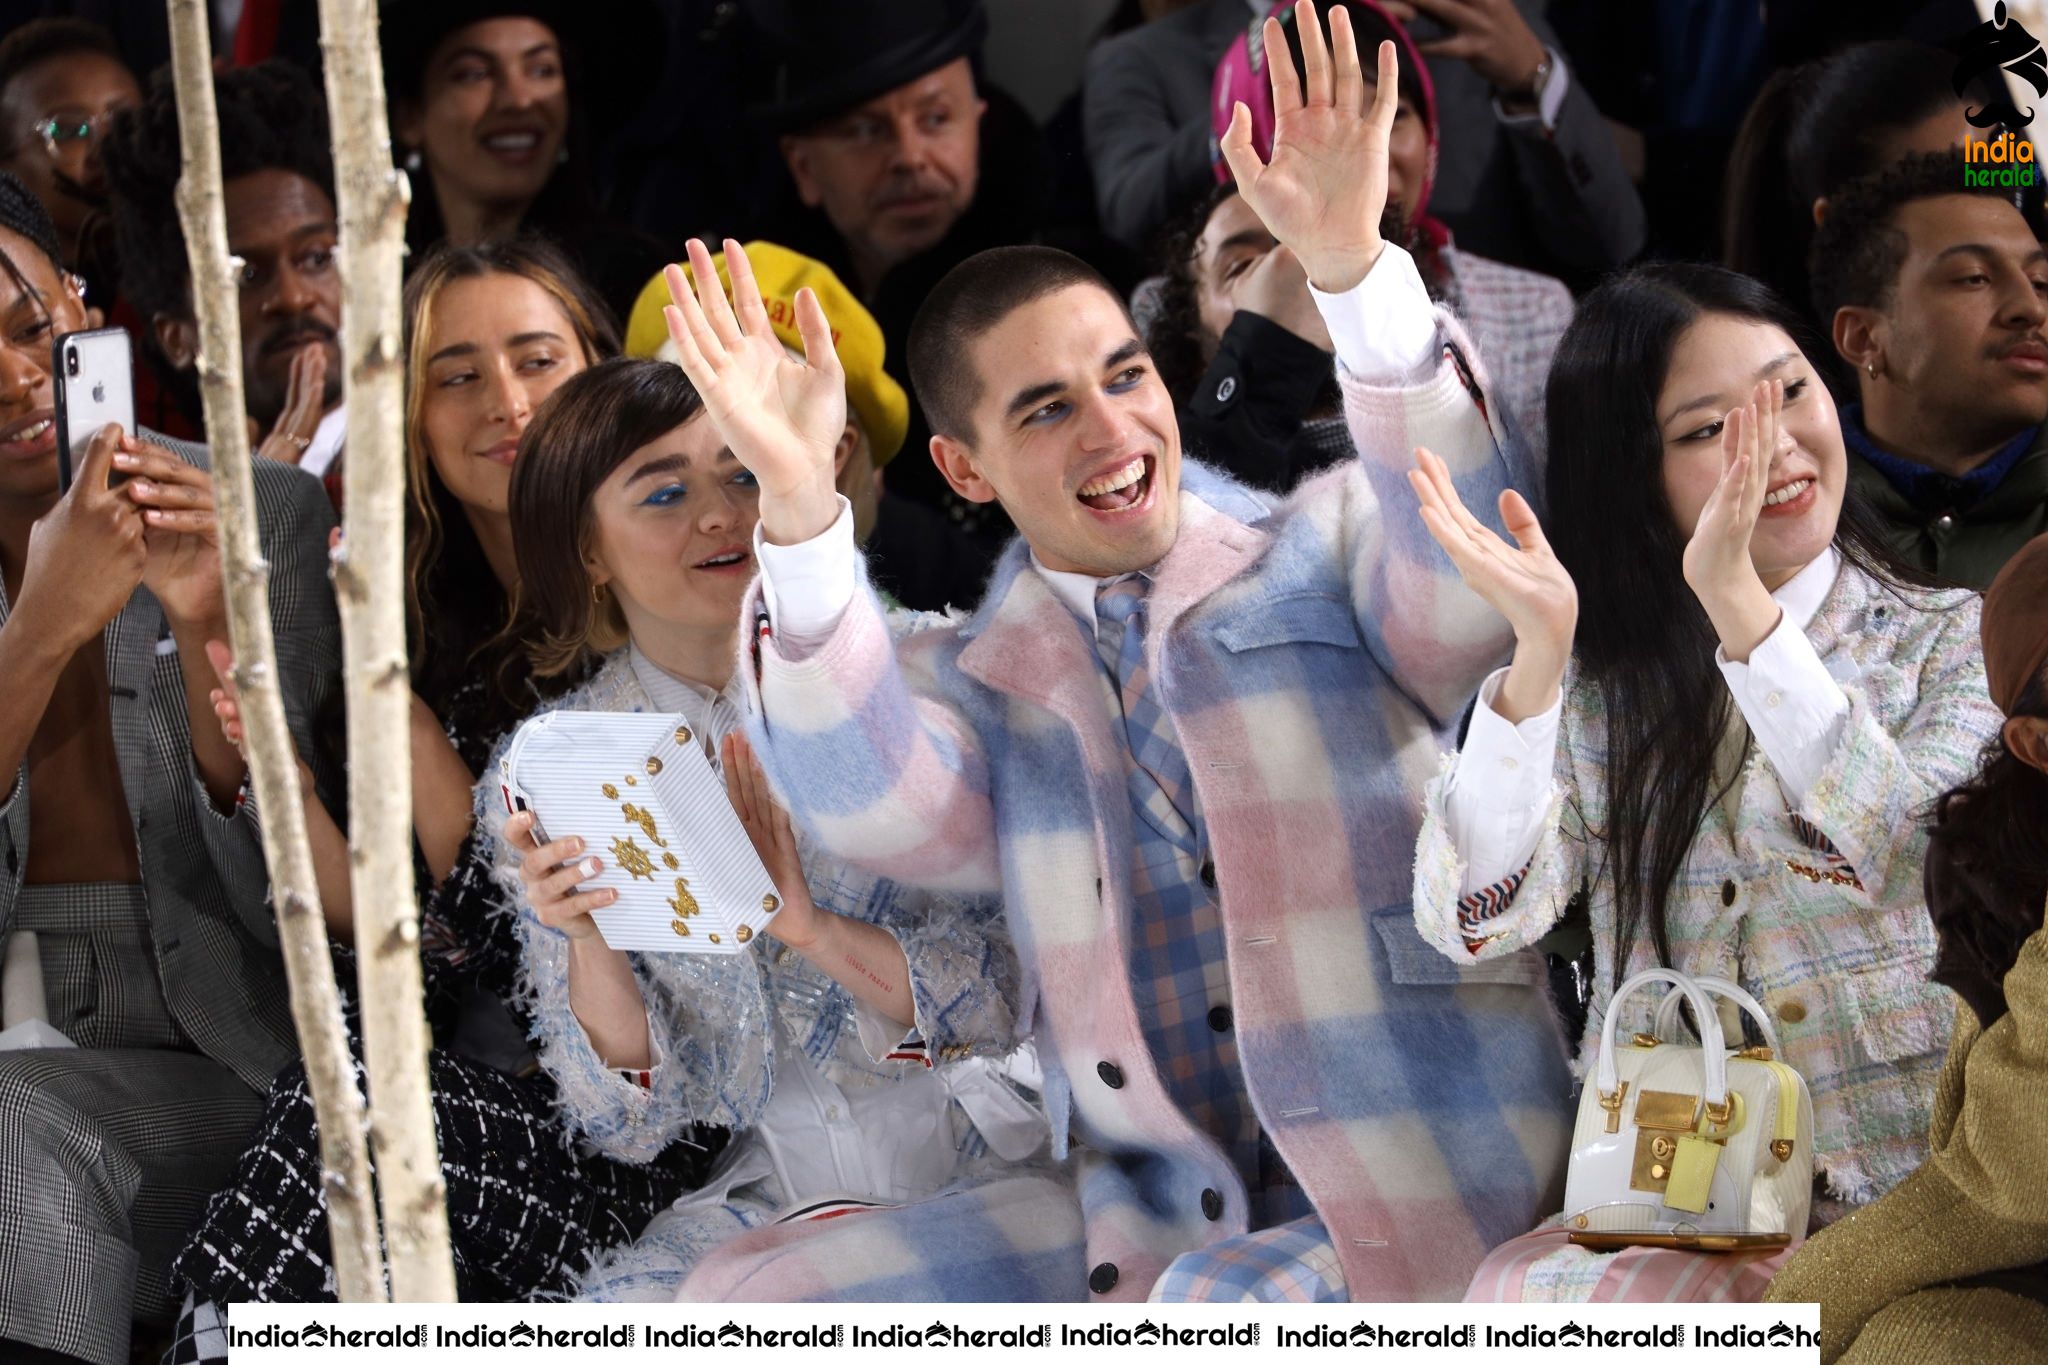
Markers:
{"x": 1936, "y": 294}
{"x": 277, "y": 185}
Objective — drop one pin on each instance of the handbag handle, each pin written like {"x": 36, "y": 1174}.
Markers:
{"x": 1713, "y": 1057}
{"x": 1667, "y": 1008}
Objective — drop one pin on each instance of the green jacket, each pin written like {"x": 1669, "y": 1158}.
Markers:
{"x": 1968, "y": 547}
{"x": 1977, "y": 1206}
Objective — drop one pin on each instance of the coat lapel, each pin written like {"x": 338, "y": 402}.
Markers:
{"x": 1211, "y": 550}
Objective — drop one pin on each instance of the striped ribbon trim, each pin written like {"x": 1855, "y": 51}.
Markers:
{"x": 1488, "y": 902}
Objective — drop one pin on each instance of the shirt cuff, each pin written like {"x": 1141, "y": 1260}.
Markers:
{"x": 809, "y": 585}
{"x": 1499, "y": 788}
{"x": 1793, "y": 705}
{"x": 1384, "y": 327}
{"x": 1549, "y": 100}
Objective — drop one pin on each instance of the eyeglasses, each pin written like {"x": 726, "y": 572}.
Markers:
{"x": 60, "y": 133}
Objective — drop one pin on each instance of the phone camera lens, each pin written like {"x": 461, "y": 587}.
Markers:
{"x": 70, "y": 362}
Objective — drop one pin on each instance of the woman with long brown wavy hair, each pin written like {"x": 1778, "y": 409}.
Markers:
{"x": 490, "y": 332}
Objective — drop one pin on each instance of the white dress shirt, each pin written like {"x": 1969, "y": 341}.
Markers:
{"x": 1500, "y": 786}
{"x": 326, "y": 443}
{"x": 1384, "y": 331}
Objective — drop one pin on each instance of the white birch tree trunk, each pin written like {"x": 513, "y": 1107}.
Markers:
{"x": 372, "y": 199}
{"x": 316, "y": 1006}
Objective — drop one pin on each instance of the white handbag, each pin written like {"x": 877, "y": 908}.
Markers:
{"x": 1696, "y": 1147}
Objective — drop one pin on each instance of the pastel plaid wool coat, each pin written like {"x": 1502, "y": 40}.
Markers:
{"x": 1313, "y": 655}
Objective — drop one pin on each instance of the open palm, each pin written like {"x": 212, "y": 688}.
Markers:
{"x": 781, "y": 416}
{"x": 1325, "y": 187}
{"x": 1523, "y": 582}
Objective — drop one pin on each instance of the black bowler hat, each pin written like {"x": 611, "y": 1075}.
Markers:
{"x": 615, "y": 50}
{"x": 826, "y": 56}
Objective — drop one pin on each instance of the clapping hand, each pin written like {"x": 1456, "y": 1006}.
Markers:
{"x": 1717, "y": 562}
{"x": 767, "y": 825}
{"x": 781, "y": 416}
{"x": 1325, "y": 187}
{"x": 304, "y": 392}
{"x": 1523, "y": 582}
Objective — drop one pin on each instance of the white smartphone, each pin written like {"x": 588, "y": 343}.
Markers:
{"x": 95, "y": 385}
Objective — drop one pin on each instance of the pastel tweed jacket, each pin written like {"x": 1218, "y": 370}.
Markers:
{"x": 1818, "y": 911}
{"x": 1312, "y": 654}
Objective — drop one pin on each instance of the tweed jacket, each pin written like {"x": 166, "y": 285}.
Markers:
{"x": 1311, "y": 654}
{"x": 1835, "y": 944}
{"x": 1977, "y": 1207}
{"x": 209, "y": 891}
{"x": 712, "y": 1019}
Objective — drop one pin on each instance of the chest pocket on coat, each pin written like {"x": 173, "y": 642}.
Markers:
{"x": 1310, "y": 618}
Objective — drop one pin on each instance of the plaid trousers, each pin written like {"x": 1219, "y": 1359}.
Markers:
{"x": 106, "y": 1155}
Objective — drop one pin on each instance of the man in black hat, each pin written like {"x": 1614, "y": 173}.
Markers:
{"x": 887, "y": 131}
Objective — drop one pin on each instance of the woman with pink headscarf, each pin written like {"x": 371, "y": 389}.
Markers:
{"x": 1238, "y": 340}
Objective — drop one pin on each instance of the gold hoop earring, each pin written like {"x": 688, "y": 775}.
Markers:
{"x": 597, "y": 594}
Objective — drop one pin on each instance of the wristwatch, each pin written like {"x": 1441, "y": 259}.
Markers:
{"x": 1531, "y": 94}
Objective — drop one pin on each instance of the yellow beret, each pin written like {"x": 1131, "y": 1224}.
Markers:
{"x": 883, "y": 407}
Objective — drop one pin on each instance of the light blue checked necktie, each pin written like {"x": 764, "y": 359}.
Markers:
{"x": 1161, "y": 789}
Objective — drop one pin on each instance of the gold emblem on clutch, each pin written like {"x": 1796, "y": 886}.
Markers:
{"x": 638, "y": 815}
{"x": 682, "y": 929}
{"x": 611, "y": 793}
{"x": 633, "y": 858}
{"x": 743, "y": 933}
{"x": 714, "y": 938}
{"x": 683, "y": 903}
{"x": 668, "y": 860}
{"x": 653, "y": 766}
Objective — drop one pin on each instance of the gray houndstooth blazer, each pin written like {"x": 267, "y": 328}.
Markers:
{"x": 209, "y": 906}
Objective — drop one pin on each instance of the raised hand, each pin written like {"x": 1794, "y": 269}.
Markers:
{"x": 1490, "y": 36}
{"x": 1717, "y": 562}
{"x": 1324, "y": 189}
{"x": 767, "y": 825}
{"x": 781, "y": 416}
{"x": 1524, "y": 582}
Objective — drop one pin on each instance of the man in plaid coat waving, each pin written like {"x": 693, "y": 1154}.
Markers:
{"x": 1185, "y": 735}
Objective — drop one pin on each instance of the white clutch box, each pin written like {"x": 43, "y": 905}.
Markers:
{"x": 648, "y": 804}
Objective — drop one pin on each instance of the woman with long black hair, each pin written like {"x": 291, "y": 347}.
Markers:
{"x": 1726, "y": 708}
